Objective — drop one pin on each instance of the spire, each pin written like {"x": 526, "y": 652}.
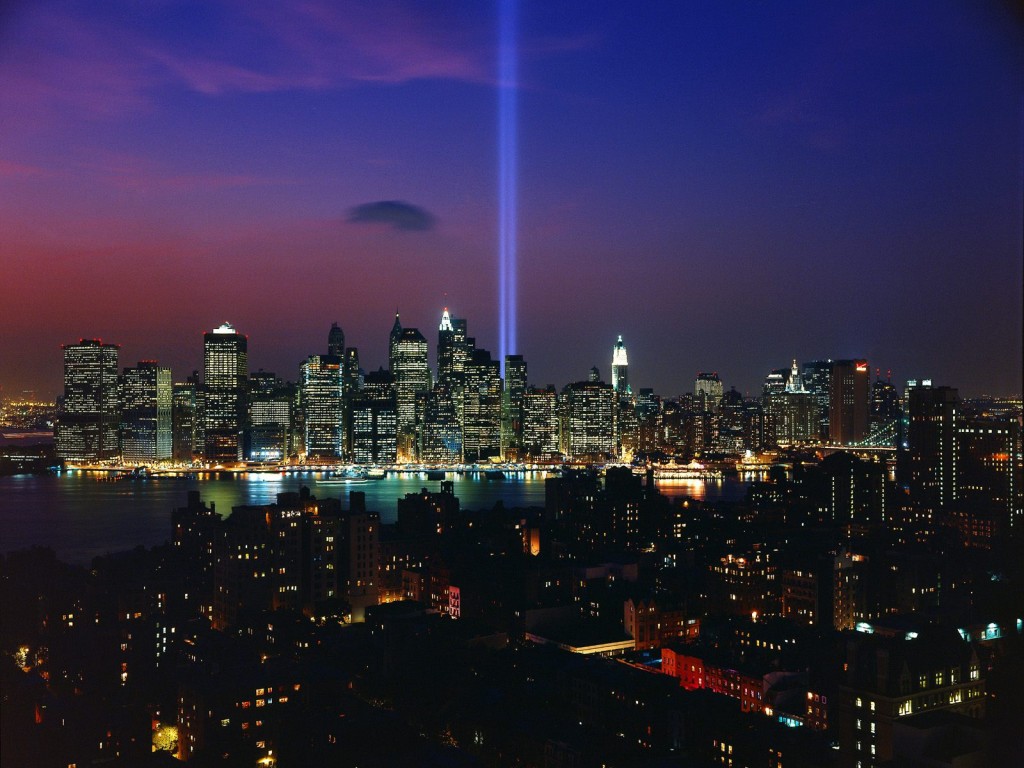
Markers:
{"x": 795, "y": 383}
{"x": 446, "y": 321}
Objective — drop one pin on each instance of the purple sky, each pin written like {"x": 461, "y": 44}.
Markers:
{"x": 727, "y": 185}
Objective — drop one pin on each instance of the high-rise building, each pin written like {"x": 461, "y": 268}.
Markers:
{"x": 589, "y": 413}
{"x": 795, "y": 413}
{"x": 932, "y": 453}
{"x": 146, "y": 427}
{"x": 989, "y": 470}
{"x": 540, "y": 422}
{"x": 271, "y": 413}
{"x": 393, "y": 339}
{"x": 411, "y": 369}
{"x": 481, "y": 412}
{"x": 772, "y": 393}
{"x": 620, "y": 368}
{"x": 88, "y": 420}
{"x": 884, "y": 413}
{"x": 351, "y": 383}
{"x": 375, "y": 420}
{"x": 512, "y": 406}
{"x": 441, "y": 436}
{"x": 322, "y": 407}
{"x": 707, "y": 391}
{"x": 817, "y": 379}
{"x": 848, "y": 403}
{"x": 452, "y": 350}
{"x": 336, "y": 341}
{"x": 225, "y": 380}
{"x": 184, "y": 419}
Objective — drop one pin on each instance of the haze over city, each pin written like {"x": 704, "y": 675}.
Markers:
{"x": 726, "y": 187}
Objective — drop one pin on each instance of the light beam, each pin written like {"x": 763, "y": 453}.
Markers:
{"x": 507, "y": 181}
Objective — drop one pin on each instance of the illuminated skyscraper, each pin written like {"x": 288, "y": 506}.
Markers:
{"x": 512, "y": 406}
{"x": 146, "y": 396}
{"x": 848, "y": 404}
{"x": 932, "y": 452}
{"x": 225, "y": 379}
{"x": 184, "y": 419}
{"x": 540, "y": 422}
{"x": 452, "y": 350}
{"x": 87, "y": 425}
{"x": 271, "y": 413}
{"x": 620, "y": 368}
{"x": 375, "y": 420}
{"x": 481, "y": 413}
{"x": 817, "y": 379}
{"x": 441, "y": 434}
{"x": 707, "y": 391}
{"x": 411, "y": 369}
{"x": 322, "y": 407}
{"x": 589, "y": 432}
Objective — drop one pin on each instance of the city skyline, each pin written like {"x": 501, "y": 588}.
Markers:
{"x": 727, "y": 190}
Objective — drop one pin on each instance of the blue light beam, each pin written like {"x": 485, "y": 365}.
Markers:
{"x": 507, "y": 177}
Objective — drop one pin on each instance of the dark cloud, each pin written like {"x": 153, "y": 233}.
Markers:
{"x": 402, "y": 216}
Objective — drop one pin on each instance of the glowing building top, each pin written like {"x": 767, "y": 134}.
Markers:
{"x": 225, "y": 329}
{"x": 446, "y": 321}
{"x": 620, "y": 367}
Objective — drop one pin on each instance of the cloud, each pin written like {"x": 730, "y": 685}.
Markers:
{"x": 401, "y": 216}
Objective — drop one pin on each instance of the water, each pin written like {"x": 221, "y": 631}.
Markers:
{"x": 84, "y": 514}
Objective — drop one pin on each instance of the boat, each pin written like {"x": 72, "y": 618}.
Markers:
{"x": 692, "y": 471}
{"x": 349, "y": 476}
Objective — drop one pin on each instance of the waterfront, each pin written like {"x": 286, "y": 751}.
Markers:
{"x": 84, "y": 514}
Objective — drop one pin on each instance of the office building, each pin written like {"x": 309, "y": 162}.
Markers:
{"x": 88, "y": 420}
{"x": 225, "y": 380}
{"x": 452, "y": 349}
{"x": 271, "y": 415}
{"x": 620, "y": 368}
{"x": 441, "y": 436}
{"x": 817, "y": 379}
{"x": 146, "y": 427}
{"x": 589, "y": 432}
{"x": 932, "y": 456}
{"x": 375, "y": 420}
{"x": 512, "y": 407}
{"x": 540, "y": 423}
{"x": 411, "y": 369}
{"x": 185, "y": 419}
{"x": 481, "y": 412}
{"x": 336, "y": 341}
{"x": 848, "y": 402}
{"x": 322, "y": 407}
{"x": 707, "y": 392}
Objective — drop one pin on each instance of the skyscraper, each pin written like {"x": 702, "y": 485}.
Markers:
{"x": 481, "y": 413}
{"x": 589, "y": 432}
{"x": 540, "y": 422}
{"x": 707, "y": 391}
{"x": 184, "y": 419}
{"x": 848, "y": 402}
{"x": 375, "y": 420}
{"x": 441, "y": 435}
{"x": 932, "y": 446}
{"x": 336, "y": 341}
{"x": 452, "y": 349}
{"x": 322, "y": 407}
{"x": 87, "y": 425}
{"x": 146, "y": 396}
{"x": 411, "y": 370}
{"x": 225, "y": 379}
{"x": 512, "y": 406}
{"x": 620, "y": 368}
{"x": 270, "y": 418}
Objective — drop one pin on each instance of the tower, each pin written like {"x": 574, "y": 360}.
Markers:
{"x": 452, "y": 349}
{"x": 87, "y": 427}
{"x": 481, "y": 426}
{"x": 512, "y": 406}
{"x": 932, "y": 447}
{"x": 146, "y": 396}
{"x": 620, "y": 368}
{"x": 225, "y": 377}
{"x": 322, "y": 406}
{"x": 848, "y": 402}
{"x": 336, "y": 341}
{"x": 411, "y": 369}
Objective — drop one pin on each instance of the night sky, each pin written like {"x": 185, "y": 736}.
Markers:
{"x": 727, "y": 185}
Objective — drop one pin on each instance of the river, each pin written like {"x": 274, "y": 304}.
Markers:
{"x": 84, "y": 514}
